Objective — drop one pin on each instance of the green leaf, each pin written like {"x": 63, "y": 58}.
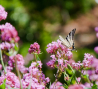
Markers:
{"x": 37, "y": 57}
{"x": 16, "y": 47}
{"x": 49, "y": 85}
{"x": 65, "y": 86}
{"x": 94, "y": 86}
{"x": 3, "y": 85}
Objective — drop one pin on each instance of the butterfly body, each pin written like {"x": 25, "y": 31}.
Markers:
{"x": 68, "y": 42}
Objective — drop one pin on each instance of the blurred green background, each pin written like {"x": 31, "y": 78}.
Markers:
{"x": 43, "y": 21}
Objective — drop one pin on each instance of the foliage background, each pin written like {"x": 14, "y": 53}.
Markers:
{"x": 43, "y": 21}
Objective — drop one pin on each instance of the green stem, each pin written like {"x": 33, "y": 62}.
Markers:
{"x": 17, "y": 70}
{"x": 2, "y": 61}
{"x": 35, "y": 57}
{"x": 73, "y": 73}
{"x": 58, "y": 75}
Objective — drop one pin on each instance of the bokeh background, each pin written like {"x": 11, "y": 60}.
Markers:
{"x": 43, "y": 21}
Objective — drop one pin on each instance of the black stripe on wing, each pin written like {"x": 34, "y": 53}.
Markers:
{"x": 71, "y": 34}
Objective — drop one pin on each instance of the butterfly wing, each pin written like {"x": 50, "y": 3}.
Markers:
{"x": 64, "y": 41}
{"x": 69, "y": 39}
{"x": 70, "y": 36}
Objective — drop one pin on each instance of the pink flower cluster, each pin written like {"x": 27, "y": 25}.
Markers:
{"x": 32, "y": 76}
{"x": 11, "y": 80}
{"x": 6, "y": 45}
{"x": 61, "y": 57}
{"x": 18, "y": 59}
{"x": 92, "y": 72}
{"x": 35, "y": 77}
{"x": 3, "y": 13}
{"x": 34, "y": 48}
{"x": 76, "y": 86}
{"x": 96, "y": 48}
{"x": 8, "y": 33}
{"x": 58, "y": 85}
{"x": 54, "y": 47}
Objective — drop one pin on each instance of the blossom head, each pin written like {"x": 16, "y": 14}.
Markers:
{"x": 56, "y": 86}
{"x": 34, "y": 48}
{"x": 9, "y": 33}
{"x": 76, "y": 86}
{"x": 3, "y": 13}
{"x": 97, "y": 34}
{"x": 0, "y": 67}
{"x": 18, "y": 59}
{"x": 96, "y": 29}
{"x": 6, "y": 46}
{"x": 12, "y": 80}
{"x": 96, "y": 49}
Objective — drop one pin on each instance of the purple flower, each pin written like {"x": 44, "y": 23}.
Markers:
{"x": 96, "y": 49}
{"x": 96, "y": 29}
{"x": 34, "y": 48}
{"x": 3, "y": 13}
{"x": 9, "y": 33}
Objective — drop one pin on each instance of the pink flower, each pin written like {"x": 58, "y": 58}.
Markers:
{"x": 47, "y": 80}
{"x": 0, "y": 67}
{"x": 78, "y": 79}
{"x": 51, "y": 63}
{"x": 76, "y": 86}
{"x": 69, "y": 54}
{"x": 19, "y": 61}
{"x": 9, "y": 68}
{"x": 12, "y": 80}
{"x": 60, "y": 62}
{"x": 3, "y": 13}
{"x": 9, "y": 33}
{"x": 54, "y": 46}
{"x": 56, "y": 86}
{"x": 96, "y": 29}
{"x": 39, "y": 64}
{"x": 6, "y": 46}
{"x": 87, "y": 60}
{"x": 96, "y": 49}
{"x": 97, "y": 34}
{"x": 23, "y": 69}
{"x": 77, "y": 66}
{"x": 2, "y": 78}
{"x": 34, "y": 48}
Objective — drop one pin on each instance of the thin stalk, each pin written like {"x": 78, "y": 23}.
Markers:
{"x": 58, "y": 75}
{"x": 73, "y": 73}
{"x": 35, "y": 57}
{"x": 18, "y": 74}
{"x": 2, "y": 61}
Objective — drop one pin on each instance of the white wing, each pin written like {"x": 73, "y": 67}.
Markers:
{"x": 70, "y": 36}
{"x": 69, "y": 39}
{"x": 64, "y": 41}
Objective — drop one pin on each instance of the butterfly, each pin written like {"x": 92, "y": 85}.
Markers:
{"x": 68, "y": 42}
